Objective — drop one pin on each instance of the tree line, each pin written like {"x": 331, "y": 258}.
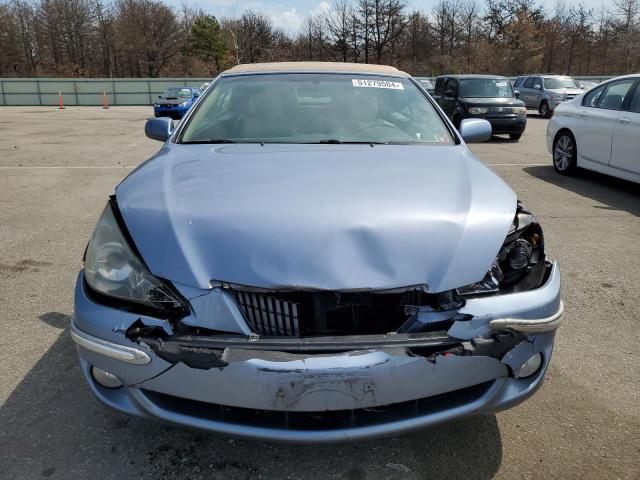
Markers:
{"x": 148, "y": 38}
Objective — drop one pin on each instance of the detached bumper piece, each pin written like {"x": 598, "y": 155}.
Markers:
{"x": 536, "y": 325}
{"x": 109, "y": 349}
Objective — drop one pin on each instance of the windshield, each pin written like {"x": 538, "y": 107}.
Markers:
{"x": 485, "y": 88}
{"x": 560, "y": 82}
{"x": 177, "y": 93}
{"x": 315, "y": 108}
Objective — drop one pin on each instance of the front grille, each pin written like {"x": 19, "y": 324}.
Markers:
{"x": 329, "y": 313}
{"x": 268, "y": 315}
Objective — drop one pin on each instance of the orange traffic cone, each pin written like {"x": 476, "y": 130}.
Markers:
{"x": 105, "y": 102}
{"x": 61, "y": 105}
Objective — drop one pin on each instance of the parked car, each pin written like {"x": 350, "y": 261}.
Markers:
{"x": 599, "y": 130}
{"x": 315, "y": 255}
{"x": 545, "y": 92}
{"x": 426, "y": 84}
{"x": 588, "y": 84}
{"x": 482, "y": 96}
{"x": 175, "y": 102}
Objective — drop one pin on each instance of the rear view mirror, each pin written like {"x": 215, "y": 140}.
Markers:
{"x": 475, "y": 130}
{"x": 159, "y": 128}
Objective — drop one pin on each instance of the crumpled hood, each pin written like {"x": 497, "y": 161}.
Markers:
{"x": 336, "y": 217}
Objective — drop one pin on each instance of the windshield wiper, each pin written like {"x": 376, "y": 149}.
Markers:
{"x": 213, "y": 140}
{"x": 335, "y": 141}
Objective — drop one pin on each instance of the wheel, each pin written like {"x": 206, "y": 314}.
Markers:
{"x": 515, "y": 136}
{"x": 564, "y": 154}
{"x": 544, "y": 110}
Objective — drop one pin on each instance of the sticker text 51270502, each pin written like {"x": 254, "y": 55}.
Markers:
{"x": 359, "y": 82}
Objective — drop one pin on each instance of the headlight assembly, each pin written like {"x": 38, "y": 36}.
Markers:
{"x": 520, "y": 264}
{"x": 111, "y": 268}
{"x": 477, "y": 110}
{"x": 519, "y": 110}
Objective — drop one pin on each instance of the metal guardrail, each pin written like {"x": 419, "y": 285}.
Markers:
{"x": 120, "y": 91}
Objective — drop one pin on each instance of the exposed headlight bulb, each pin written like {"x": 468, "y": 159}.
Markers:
{"x": 519, "y": 255}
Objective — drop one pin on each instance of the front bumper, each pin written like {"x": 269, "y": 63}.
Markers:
{"x": 173, "y": 112}
{"x": 515, "y": 124}
{"x": 299, "y": 397}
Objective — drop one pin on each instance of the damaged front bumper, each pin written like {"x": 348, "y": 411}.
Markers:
{"x": 324, "y": 389}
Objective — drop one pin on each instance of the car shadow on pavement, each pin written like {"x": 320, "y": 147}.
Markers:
{"x": 51, "y": 426}
{"x": 613, "y": 192}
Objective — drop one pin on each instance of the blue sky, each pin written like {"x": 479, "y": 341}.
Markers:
{"x": 289, "y": 14}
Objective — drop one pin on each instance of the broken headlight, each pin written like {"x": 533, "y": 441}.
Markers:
{"x": 520, "y": 264}
{"x": 111, "y": 268}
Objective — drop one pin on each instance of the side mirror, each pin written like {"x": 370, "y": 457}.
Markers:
{"x": 475, "y": 130}
{"x": 159, "y": 96}
{"x": 582, "y": 86}
{"x": 159, "y": 128}
{"x": 537, "y": 87}
{"x": 516, "y": 92}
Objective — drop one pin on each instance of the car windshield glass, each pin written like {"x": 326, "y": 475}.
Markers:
{"x": 560, "y": 82}
{"x": 177, "y": 93}
{"x": 485, "y": 88}
{"x": 315, "y": 108}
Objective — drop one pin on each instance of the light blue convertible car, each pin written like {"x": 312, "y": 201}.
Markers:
{"x": 314, "y": 255}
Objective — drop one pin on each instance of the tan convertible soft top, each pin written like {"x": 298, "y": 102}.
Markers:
{"x": 320, "y": 67}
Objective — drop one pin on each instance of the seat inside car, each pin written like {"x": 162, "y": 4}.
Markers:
{"x": 612, "y": 102}
{"x": 268, "y": 113}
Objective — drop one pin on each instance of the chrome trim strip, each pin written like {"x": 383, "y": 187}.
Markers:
{"x": 525, "y": 325}
{"x": 108, "y": 349}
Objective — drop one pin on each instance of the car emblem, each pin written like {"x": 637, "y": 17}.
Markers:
{"x": 500, "y": 109}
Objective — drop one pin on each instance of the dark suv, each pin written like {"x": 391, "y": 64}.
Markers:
{"x": 482, "y": 96}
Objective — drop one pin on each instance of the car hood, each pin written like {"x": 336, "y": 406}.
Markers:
{"x": 336, "y": 217}
{"x": 493, "y": 102}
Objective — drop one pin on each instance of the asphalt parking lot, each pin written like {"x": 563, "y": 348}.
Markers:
{"x": 57, "y": 169}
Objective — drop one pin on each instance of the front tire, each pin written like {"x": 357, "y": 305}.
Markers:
{"x": 545, "y": 111}
{"x": 515, "y": 136}
{"x": 565, "y": 154}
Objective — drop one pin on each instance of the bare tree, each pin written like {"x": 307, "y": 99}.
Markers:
{"x": 339, "y": 23}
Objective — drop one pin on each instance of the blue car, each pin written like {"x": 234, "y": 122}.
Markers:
{"x": 315, "y": 255}
{"x": 175, "y": 102}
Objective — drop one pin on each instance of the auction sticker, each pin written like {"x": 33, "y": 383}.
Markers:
{"x": 359, "y": 82}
